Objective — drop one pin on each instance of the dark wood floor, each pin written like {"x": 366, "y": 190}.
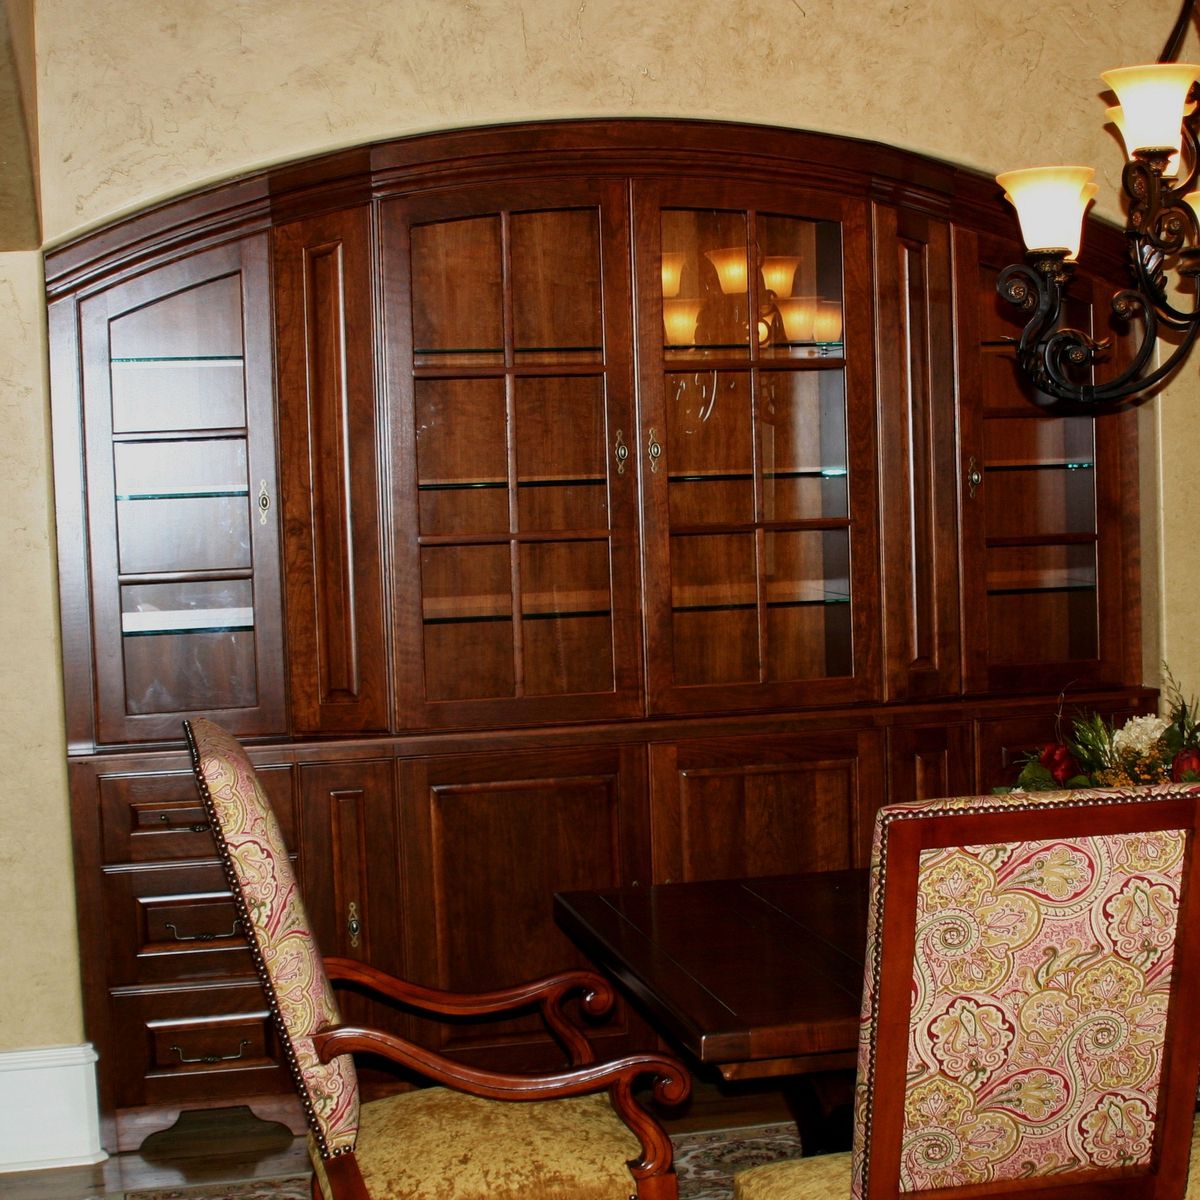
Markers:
{"x": 231, "y": 1145}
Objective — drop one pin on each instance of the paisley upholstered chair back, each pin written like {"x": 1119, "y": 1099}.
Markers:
{"x": 1030, "y": 1007}
{"x": 272, "y": 912}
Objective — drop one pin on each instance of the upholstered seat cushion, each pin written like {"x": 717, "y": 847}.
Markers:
{"x": 827, "y": 1176}
{"x": 436, "y": 1144}
{"x": 821, "y": 1177}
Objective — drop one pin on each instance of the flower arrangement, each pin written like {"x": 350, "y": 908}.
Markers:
{"x": 1143, "y": 750}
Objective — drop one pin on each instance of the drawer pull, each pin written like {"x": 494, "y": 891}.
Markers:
{"x": 208, "y": 1059}
{"x": 199, "y": 827}
{"x": 203, "y": 937}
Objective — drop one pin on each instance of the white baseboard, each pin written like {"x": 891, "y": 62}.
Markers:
{"x": 48, "y": 1111}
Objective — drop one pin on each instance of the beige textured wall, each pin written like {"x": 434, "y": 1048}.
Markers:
{"x": 140, "y": 99}
{"x": 39, "y": 990}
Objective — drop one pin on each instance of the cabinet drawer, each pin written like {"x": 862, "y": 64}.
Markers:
{"x": 152, "y": 817}
{"x": 185, "y": 1044}
{"x": 172, "y": 923}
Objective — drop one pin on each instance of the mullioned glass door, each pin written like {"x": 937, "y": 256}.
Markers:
{"x": 755, "y": 436}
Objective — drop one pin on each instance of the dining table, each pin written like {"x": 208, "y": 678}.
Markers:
{"x": 756, "y": 977}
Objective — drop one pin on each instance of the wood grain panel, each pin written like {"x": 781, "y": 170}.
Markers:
{"x": 337, "y": 646}
{"x": 730, "y": 807}
{"x": 349, "y": 876}
{"x": 917, "y": 466}
{"x": 489, "y": 839}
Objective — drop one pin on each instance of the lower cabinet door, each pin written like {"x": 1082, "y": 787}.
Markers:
{"x": 351, "y": 887}
{"x": 929, "y": 761}
{"x": 489, "y": 839}
{"x": 769, "y": 804}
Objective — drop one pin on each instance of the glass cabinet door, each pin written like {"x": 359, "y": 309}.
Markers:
{"x": 511, "y": 352}
{"x": 1041, "y": 563}
{"x": 759, "y": 495}
{"x": 178, "y": 410}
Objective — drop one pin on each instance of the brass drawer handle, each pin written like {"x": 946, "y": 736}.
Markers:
{"x": 209, "y": 1059}
{"x": 196, "y": 827}
{"x": 203, "y": 937}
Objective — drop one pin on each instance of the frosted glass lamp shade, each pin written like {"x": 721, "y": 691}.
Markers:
{"x": 679, "y": 321}
{"x": 1050, "y": 203}
{"x": 730, "y": 262}
{"x": 779, "y": 273}
{"x": 672, "y": 269}
{"x": 798, "y": 313}
{"x": 1152, "y": 100}
{"x": 827, "y": 324}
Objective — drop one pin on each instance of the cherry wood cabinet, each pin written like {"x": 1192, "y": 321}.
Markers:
{"x": 1050, "y": 496}
{"x": 328, "y": 451}
{"x": 176, "y": 471}
{"x": 760, "y": 499}
{"x": 507, "y": 328}
{"x": 547, "y": 507}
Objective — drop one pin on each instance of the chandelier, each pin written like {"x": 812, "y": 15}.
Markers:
{"x": 1158, "y": 118}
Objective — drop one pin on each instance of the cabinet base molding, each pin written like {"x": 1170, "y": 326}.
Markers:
{"x": 135, "y": 1125}
{"x": 48, "y": 1111}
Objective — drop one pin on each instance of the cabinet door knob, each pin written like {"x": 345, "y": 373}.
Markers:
{"x": 974, "y": 477}
{"x": 621, "y": 452}
{"x": 264, "y": 502}
{"x": 353, "y": 924}
{"x": 654, "y": 451}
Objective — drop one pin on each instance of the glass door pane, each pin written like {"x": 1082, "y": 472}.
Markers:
{"x": 180, "y": 438}
{"x": 756, "y": 489}
{"x": 184, "y": 501}
{"x": 522, "y": 405}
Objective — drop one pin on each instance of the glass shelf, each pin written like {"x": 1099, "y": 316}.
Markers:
{"x": 1062, "y": 465}
{"x": 232, "y": 490}
{"x": 165, "y": 361}
{"x": 465, "y": 485}
{"x": 189, "y": 620}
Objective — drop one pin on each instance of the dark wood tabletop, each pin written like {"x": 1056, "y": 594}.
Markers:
{"x": 754, "y": 976}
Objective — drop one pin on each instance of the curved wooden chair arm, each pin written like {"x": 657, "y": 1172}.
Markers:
{"x": 547, "y": 994}
{"x": 672, "y": 1084}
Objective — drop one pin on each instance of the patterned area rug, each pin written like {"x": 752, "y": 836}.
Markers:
{"x": 706, "y": 1163}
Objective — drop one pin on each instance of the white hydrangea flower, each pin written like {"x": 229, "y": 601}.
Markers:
{"x": 1137, "y": 736}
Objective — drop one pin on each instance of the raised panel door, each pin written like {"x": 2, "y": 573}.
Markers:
{"x": 354, "y": 897}
{"x": 756, "y": 448}
{"x": 929, "y": 761}
{"x": 324, "y": 322}
{"x": 917, "y": 462}
{"x": 488, "y": 840}
{"x": 773, "y": 804}
{"x": 182, "y": 510}
{"x": 507, "y": 323}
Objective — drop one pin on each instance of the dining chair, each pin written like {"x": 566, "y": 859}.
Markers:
{"x": 1030, "y": 1020}
{"x": 578, "y": 1134}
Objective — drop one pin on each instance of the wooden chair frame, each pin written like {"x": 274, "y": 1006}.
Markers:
{"x": 902, "y": 834}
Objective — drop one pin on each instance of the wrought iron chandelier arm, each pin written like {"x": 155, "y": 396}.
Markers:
{"x": 1170, "y": 52}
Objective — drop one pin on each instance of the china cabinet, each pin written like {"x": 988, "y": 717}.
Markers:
{"x": 546, "y": 507}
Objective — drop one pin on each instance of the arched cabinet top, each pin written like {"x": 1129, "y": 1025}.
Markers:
{"x": 633, "y": 147}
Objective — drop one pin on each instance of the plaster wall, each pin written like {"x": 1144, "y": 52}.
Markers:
{"x": 141, "y": 99}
